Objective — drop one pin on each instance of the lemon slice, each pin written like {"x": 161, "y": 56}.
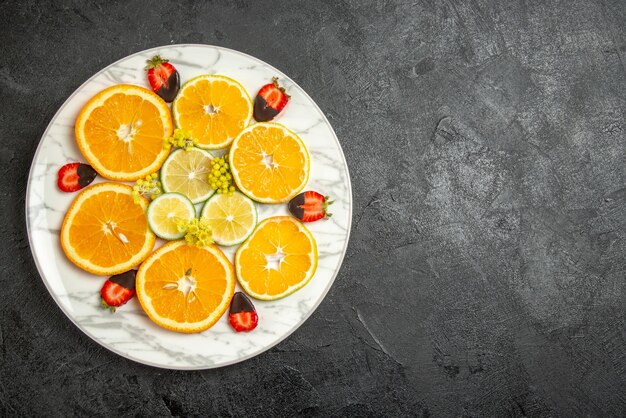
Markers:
{"x": 232, "y": 218}
{"x": 165, "y": 212}
{"x": 187, "y": 172}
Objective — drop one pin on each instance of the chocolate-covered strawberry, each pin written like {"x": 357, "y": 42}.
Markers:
{"x": 310, "y": 206}
{"x": 163, "y": 77}
{"x": 242, "y": 315}
{"x": 118, "y": 290}
{"x": 270, "y": 101}
{"x": 75, "y": 176}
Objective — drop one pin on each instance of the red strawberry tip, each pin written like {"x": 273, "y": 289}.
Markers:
{"x": 243, "y": 321}
{"x": 155, "y": 62}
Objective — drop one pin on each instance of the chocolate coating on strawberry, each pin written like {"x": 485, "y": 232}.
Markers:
{"x": 118, "y": 290}
{"x": 169, "y": 89}
{"x": 75, "y": 176}
{"x": 242, "y": 315}
{"x": 241, "y": 303}
{"x": 270, "y": 101}
{"x": 163, "y": 78}
{"x": 296, "y": 206}
{"x": 86, "y": 174}
{"x": 310, "y": 206}
{"x": 263, "y": 112}
{"x": 126, "y": 279}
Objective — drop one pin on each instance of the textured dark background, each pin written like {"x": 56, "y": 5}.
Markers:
{"x": 486, "y": 270}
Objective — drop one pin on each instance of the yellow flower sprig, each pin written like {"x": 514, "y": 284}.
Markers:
{"x": 220, "y": 176}
{"x": 197, "y": 231}
{"x": 181, "y": 139}
{"x": 148, "y": 187}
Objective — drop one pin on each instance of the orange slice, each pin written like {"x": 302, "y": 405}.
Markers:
{"x": 184, "y": 288}
{"x": 279, "y": 258}
{"x": 270, "y": 163}
{"x": 105, "y": 232}
{"x": 214, "y": 108}
{"x": 120, "y": 132}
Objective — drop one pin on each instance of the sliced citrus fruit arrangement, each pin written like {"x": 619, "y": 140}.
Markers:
{"x": 105, "y": 232}
{"x": 185, "y": 288}
{"x": 126, "y": 133}
{"x": 232, "y": 217}
{"x": 187, "y": 172}
{"x": 270, "y": 163}
{"x": 279, "y": 258}
{"x": 120, "y": 132}
{"x": 166, "y": 212}
{"x": 214, "y": 108}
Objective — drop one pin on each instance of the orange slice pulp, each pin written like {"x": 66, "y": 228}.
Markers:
{"x": 105, "y": 232}
{"x": 213, "y": 108}
{"x": 279, "y": 258}
{"x": 270, "y": 163}
{"x": 184, "y": 288}
{"x": 120, "y": 132}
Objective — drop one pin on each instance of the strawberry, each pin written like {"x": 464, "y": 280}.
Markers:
{"x": 75, "y": 176}
{"x": 310, "y": 206}
{"x": 163, "y": 77}
{"x": 269, "y": 102}
{"x": 242, "y": 315}
{"x": 118, "y": 290}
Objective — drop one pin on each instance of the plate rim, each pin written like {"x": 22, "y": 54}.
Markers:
{"x": 137, "y": 359}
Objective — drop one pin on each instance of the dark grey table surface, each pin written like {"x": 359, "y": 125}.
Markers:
{"x": 485, "y": 274}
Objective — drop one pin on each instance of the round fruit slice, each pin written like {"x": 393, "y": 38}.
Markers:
{"x": 279, "y": 258}
{"x": 214, "y": 108}
{"x": 166, "y": 211}
{"x": 184, "y": 288}
{"x": 120, "y": 132}
{"x": 270, "y": 164}
{"x": 105, "y": 232}
{"x": 232, "y": 217}
{"x": 187, "y": 172}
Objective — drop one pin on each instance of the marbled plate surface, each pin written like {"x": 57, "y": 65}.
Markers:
{"x": 129, "y": 332}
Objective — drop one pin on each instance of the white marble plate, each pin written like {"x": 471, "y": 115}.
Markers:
{"x": 129, "y": 332}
